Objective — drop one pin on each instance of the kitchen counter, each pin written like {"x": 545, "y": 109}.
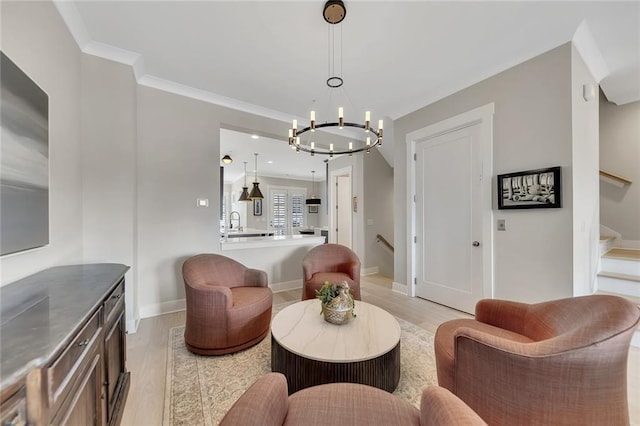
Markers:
{"x": 273, "y": 241}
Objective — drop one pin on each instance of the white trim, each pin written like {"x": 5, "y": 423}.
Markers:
{"x": 369, "y": 271}
{"x": 484, "y": 117}
{"x": 400, "y": 288}
{"x": 585, "y": 45}
{"x": 635, "y": 339}
{"x": 157, "y": 309}
{"x": 132, "y": 326}
{"x": 286, "y": 286}
{"x": 71, "y": 17}
{"x": 331, "y": 202}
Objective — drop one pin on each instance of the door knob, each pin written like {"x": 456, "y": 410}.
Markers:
{"x": 476, "y": 244}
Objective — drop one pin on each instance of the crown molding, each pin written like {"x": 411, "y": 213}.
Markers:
{"x": 585, "y": 44}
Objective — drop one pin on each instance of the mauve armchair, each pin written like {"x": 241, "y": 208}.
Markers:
{"x": 562, "y": 362}
{"x": 333, "y": 263}
{"x": 228, "y": 305}
{"x": 267, "y": 403}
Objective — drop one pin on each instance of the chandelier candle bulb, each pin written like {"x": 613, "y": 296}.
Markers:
{"x": 313, "y": 145}
{"x": 312, "y": 115}
{"x": 330, "y": 147}
{"x": 350, "y": 146}
{"x": 368, "y": 141}
{"x": 295, "y": 125}
{"x": 367, "y": 116}
{"x": 380, "y": 122}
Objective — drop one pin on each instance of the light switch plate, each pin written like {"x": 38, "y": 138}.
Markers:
{"x": 502, "y": 225}
{"x": 202, "y": 202}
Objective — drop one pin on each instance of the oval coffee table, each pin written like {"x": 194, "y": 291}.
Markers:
{"x": 310, "y": 351}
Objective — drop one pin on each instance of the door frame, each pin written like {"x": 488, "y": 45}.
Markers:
{"x": 484, "y": 117}
{"x": 345, "y": 171}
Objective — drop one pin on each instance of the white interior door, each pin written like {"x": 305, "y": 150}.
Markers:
{"x": 449, "y": 262}
{"x": 343, "y": 210}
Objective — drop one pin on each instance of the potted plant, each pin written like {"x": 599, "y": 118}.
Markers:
{"x": 337, "y": 302}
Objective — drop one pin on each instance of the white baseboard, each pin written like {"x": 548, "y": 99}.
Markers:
{"x": 163, "y": 308}
{"x": 369, "y": 271}
{"x": 400, "y": 288}
{"x": 132, "y": 326}
{"x": 285, "y": 286}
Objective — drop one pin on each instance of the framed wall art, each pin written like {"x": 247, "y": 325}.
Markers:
{"x": 257, "y": 207}
{"x": 24, "y": 161}
{"x": 530, "y": 189}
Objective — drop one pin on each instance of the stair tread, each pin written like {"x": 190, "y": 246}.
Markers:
{"x": 606, "y": 238}
{"x": 633, "y": 299}
{"x": 623, "y": 253}
{"x": 628, "y": 277}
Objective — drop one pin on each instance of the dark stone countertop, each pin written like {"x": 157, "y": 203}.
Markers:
{"x": 41, "y": 313}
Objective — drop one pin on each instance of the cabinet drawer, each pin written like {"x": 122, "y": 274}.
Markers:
{"x": 13, "y": 411}
{"x": 113, "y": 299}
{"x": 61, "y": 373}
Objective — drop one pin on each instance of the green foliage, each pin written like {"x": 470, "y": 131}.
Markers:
{"x": 327, "y": 292}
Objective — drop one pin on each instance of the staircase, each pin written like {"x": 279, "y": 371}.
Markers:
{"x": 620, "y": 273}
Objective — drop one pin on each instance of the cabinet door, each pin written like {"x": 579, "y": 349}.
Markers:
{"x": 116, "y": 375}
{"x": 85, "y": 408}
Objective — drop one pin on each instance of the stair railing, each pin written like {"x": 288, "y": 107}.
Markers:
{"x": 383, "y": 240}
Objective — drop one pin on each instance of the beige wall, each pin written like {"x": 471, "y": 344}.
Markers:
{"x": 620, "y": 155}
{"x": 378, "y": 212}
{"x": 108, "y": 126}
{"x": 34, "y": 37}
{"x": 531, "y": 129}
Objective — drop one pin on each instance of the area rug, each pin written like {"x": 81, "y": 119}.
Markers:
{"x": 201, "y": 389}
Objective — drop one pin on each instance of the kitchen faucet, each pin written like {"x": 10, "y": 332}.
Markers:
{"x": 231, "y": 219}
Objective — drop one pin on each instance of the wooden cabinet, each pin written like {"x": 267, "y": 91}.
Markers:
{"x": 13, "y": 410}
{"x": 79, "y": 377}
{"x": 116, "y": 376}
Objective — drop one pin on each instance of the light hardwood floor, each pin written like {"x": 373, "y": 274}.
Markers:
{"x": 147, "y": 349}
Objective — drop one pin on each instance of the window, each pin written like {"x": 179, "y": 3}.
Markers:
{"x": 287, "y": 210}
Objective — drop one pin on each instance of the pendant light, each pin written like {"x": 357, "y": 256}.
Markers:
{"x": 256, "y": 194}
{"x": 245, "y": 194}
{"x": 313, "y": 200}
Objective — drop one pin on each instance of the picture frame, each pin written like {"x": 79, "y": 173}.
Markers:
{"x": 313, "y": 209}
{"x": 257, "y": 207}
{"x": 530, "y": 189}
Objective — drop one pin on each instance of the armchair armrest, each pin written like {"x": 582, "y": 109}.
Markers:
{"x": 439, "y": 407}
{"x": 265, "y": 403}
{"x": 502, "y": 313}
{"x": 255, "y": 278}
{"x": 206, "y": 298}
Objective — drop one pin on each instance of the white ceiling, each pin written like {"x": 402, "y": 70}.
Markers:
{"x": 272, "y": 56}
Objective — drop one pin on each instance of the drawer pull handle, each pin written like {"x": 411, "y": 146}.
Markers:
{"x": 116, "y": 296}
{"x": 84, "y": 343}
